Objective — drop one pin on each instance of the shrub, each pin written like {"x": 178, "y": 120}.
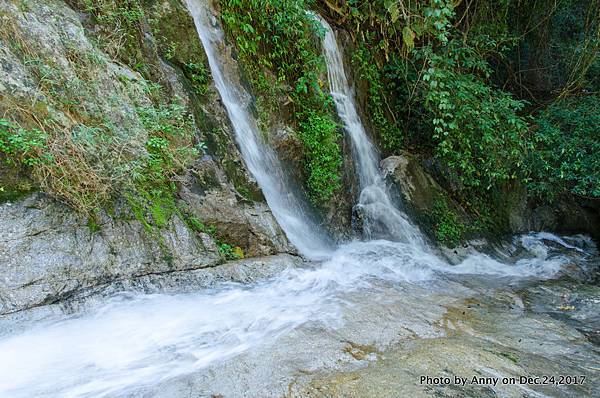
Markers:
{"x": 319, "y": 134}
{"x": 477, "y": 130}
{"x": 566, "y": 155}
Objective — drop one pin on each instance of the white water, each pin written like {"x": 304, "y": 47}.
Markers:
{"x": 131, "y": 342}
{"x": 381, "y": 216}
{"x": 289, "y": 210}
{"x": 135, "y": 341}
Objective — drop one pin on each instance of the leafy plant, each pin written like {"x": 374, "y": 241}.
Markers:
{"x": 366, "y": 69}
{"x": 566, "y": 152}
{"x": 27, "y": 147}
{"x": 170, "y": 150}
{"x": 319, "y": 134}
{"x": 448, "y": 228}
{"x": 477, "y": 129}
{"x": 198, "y": 76}
{"x": 277, "y": 45}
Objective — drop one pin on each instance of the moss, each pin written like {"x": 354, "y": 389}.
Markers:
{"x": 235, "y": 174}
{"x": 447, "y": 224}
{"x": 14, "y": 193}
{"x": 93, "y": 225}
{"x": 178, "y": 42}
{"x": 14, "y": 185}
{"x": 226, "y": 250}
{"x": 508, "y": 355}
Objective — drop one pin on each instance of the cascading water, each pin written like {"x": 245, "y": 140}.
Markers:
{"x": 133, "y": 342}
{"x": 289, "y": 210}
{"x": 380, "y": 216}
{"x": 130, "y": 343}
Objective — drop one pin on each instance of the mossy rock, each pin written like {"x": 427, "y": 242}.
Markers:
{"x": 178, "y": 43}
{"x": 14, "y": 184}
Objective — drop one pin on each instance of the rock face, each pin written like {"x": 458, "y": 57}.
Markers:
{"x": 420, "y": 192}
{"x": 418, "y": 188}
{"x": 209, "y": 197}
{"x": 47, "y": 252}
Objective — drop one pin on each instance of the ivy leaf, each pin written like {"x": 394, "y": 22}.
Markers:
{"x": 392, "y": 7}
{"x": 408, "y": 36}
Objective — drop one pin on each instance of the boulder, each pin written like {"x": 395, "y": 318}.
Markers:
{"x": 418, "y": 188}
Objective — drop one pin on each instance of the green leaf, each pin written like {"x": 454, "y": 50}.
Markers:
{"x": 408, "y": 36}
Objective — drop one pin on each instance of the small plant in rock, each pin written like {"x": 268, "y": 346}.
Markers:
{"x": 448, "y": 228}
{"x": 319, "y": 134}
{"x": 22, "y": 146}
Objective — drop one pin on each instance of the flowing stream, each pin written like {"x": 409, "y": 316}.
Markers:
{"x": 131, "y": 343}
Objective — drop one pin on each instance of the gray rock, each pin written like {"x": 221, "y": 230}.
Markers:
{"x": 47, "y": 252}
{"x": 418, "y": 188}
{"x": 543, "y": 218}
{"x": 250, "y": 225}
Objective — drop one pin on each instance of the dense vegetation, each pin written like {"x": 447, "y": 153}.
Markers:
{"x": 96, "y": 134}
{"x": 498, "y": 94}
{"x": 280, "y": 52}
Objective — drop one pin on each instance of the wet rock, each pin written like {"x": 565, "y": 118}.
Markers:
{"x": 484, "y": 344}
{"x": 250, "y": 225}
{"x": 543, "y": 218}
{"x": 418, "y": 187}
{"x": 428, "y": 203}
{"x": 47, "y": 252}
{"x": 288, "y": 146}
{"x": 517, "y": 211}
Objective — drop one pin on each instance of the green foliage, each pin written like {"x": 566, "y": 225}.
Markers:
{"x": 170, "y": 135}
{"x": 93, "y": 225}
{"x": 559, "y": 55}
{"x": 169, "y": 151}
{"x": 448, "y": 228}
{"x": 228, "y": 251}
{"x": 27, "y": 147}
{"x": 366, "y": 69}
{"x": 278, "y": 46}
{"x": 319, "y": 134}
{"x": 119, "y": 23}
{"x": 198, "y": 75}
{"x": 477, "y": 129}
{"x": 115, "y": 12}
{"x": 85, "y": 166}
{"x": 420, "y": 68}
{"x": 275, "y": 36}
{"x": 566, "y": 155}
{"x": 439, "y": 82}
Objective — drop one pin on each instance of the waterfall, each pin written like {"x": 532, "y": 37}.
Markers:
{"x": 290, "y": 211}
{"x": 380, "y": 216}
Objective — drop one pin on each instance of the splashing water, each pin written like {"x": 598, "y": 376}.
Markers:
{"x": 134, "y": 341}
{"x": 381, "y": 218}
